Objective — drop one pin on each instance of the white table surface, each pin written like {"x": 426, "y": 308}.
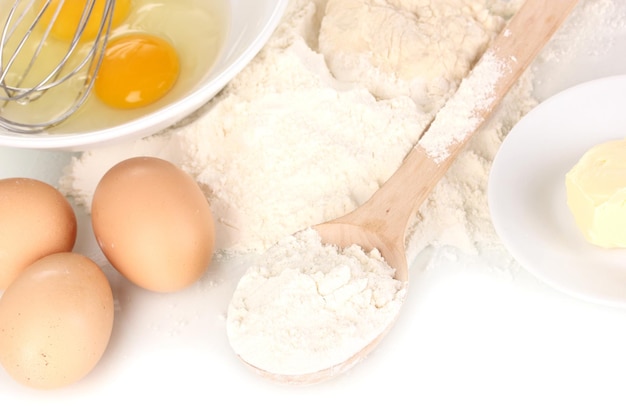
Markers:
{"x": 471, "y": 340}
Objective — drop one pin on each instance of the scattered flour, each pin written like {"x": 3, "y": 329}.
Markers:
{"x": 307, "y": 307}
{"x": 290, "y": 143}
{"x": 588, "y": 25}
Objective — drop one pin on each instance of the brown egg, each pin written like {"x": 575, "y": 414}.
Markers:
{"x": 35, "y": 221}
{"x": 153, "y": 224}
{"x": 55, "y": 321}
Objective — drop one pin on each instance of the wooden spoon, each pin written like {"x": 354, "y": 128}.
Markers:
{"x": 381, "y": 222}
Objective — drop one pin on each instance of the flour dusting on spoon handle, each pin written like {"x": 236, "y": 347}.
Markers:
{"x": 493, "y": 76}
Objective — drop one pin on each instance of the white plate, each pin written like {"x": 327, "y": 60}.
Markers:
{"x": 527, "y": 195}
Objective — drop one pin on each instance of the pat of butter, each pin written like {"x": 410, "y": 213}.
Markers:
{"x": 596, "y": 194}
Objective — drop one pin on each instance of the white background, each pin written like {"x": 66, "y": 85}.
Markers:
{"x": 471, "y": 339}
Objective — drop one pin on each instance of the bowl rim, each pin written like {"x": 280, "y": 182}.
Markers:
{"x": 166, "y": 116}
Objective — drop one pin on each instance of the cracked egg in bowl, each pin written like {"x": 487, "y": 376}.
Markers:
{"x": 161, "y": 61}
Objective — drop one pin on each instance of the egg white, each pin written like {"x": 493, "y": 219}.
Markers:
{"x": 197, "y": 30}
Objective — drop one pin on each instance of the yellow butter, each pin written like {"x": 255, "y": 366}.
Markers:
{"x": 596, "y": 194}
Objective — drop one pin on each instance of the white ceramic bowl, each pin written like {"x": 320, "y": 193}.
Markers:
{"x": 252, "y": 24}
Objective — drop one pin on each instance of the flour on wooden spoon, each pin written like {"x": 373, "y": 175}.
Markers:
{"x": 306, "y": 307}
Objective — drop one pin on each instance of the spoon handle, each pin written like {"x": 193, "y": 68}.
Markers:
{"x": 465, "y": 112}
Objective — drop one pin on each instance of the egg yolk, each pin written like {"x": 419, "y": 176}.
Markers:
{"x": 136, "y": 70}
{"x": 71, "y": 12}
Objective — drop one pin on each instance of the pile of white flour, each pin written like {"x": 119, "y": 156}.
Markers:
{"x": 325, "y": 114}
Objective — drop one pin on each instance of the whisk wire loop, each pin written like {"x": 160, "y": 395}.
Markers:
{"x": 25, "y": 41}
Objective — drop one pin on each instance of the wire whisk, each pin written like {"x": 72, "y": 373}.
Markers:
{"x": 28, "y": 72}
